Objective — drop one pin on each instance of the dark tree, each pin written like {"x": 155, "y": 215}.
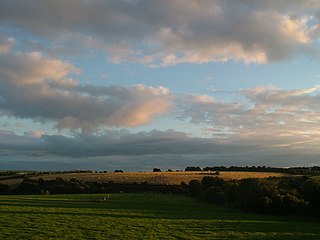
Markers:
{"x": 193, "y": 169}
{"x": 195, "y": 188}
{"x": 212, "y": 181}
{"x": 4, "y": 189}
{"x": 29, "y": 186}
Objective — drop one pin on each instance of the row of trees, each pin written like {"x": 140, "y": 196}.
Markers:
{"x": 74, "y": 186}
{"x": 315, "y": 170}
{"x": 297, "y": 196}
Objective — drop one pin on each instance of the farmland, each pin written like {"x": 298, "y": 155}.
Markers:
{"x": 139, "y": 216}
{"x": 170, "y": 178}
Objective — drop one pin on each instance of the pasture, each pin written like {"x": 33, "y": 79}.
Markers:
{"x": 139, "y": 216}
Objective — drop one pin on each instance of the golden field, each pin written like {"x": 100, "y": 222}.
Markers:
{"x": 170, "y": 178}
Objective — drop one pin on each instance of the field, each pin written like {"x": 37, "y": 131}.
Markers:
{"x": 150, "y": 177}
{"x": 139, "y": 216}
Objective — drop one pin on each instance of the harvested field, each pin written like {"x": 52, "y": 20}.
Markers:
{"x": 170, "y": 178}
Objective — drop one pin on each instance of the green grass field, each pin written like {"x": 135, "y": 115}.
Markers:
{"x": 139, "y": 216}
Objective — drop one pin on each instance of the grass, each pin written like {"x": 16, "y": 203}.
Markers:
{"x": 139, "y": 216}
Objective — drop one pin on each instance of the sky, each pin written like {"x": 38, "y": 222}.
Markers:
{"x": 138, "y": 84}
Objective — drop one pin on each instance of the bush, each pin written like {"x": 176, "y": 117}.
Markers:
{"x": 29, "y": 187}
{"x": 212, "y": 181}
{"x": 4, "y": 189}
{"x": 195, "y": 188}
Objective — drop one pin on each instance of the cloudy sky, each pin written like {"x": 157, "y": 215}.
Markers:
{"x": 137, "y": 84}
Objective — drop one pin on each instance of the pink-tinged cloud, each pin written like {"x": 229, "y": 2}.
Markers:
{"x": 37, "y": 87}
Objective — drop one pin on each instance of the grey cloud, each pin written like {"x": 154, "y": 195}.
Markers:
{"x": 272, "y": 117}
{"x": 167, "y": 32}
{"x": 6, "y": 43}
{"x": 148, "y": 162}
{"x": 121, "y": 142}
{"x": 38, "y": 87}
{"x": 141, "y": 151}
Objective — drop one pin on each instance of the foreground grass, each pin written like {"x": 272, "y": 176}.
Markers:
{"x": 139, "y": 216}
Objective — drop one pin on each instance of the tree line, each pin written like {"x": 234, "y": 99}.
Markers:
{"x": 293, "y": 196}
{"x": 74, "y": 186}
{"x": 313, "y": 171}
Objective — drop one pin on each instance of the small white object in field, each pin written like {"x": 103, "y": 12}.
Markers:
{"x": 106, "y": 198}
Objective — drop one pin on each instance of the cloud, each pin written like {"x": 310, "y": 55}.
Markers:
{"x": 119, "y": 142}
{"x": 267, "y": 116}
{"x": 171, "y": 32}
{"x": 114, "y": 149}
{"x": 23, "y": 69}
{"x": 40, "y": 88}
{"x": 34, "y": 134}
{"x": 6, "y": 44}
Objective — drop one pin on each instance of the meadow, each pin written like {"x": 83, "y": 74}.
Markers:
{"x": 139, "y": 216}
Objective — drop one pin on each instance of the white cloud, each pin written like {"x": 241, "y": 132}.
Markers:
{"x": 296, "y": 29}
{"x": 267, "y": 116}
{"x": 37, "y": 87}
{"x": 23, "y": 69}
{"x": 170, "y": 32}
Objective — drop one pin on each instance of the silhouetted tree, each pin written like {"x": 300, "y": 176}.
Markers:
{"x": 4, "y": 189}
{"x": 193, "y": 169}
{"x": 29, "y": 186}
{"x": 195, "y": 188}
